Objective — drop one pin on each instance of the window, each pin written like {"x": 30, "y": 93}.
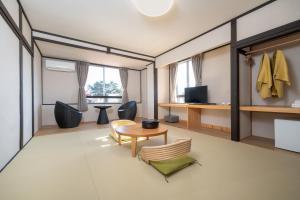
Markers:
{"x": 185, "y": 78}
{"x": 103, "y": 85}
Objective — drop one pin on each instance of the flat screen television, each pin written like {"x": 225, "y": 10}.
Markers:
{"x": 196, "y": 94}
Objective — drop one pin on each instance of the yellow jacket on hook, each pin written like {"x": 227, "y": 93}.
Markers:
{"x": 264, "y": 81}
{"x": 280, "y": 74}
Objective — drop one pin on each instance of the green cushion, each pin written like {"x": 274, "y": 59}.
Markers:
{"x": 168, "y": 167}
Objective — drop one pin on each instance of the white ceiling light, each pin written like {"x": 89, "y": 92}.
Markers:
{"x": 153, "y": 8}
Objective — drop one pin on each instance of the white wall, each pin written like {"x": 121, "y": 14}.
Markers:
{"x": 216, "y": 75}
{"x": 133, "y": 87}
{"x": 37, "y": 89}
{"x": 150, "y": 91}
{"x": 144, "y": 94}
{"x": 27, "y": 84}
{"x": 210, "y": 40}
{"x": 59, "y": 86}
{"x": 163, "y": 90}
{"x": 27, "y": 97}
{"x": 245, "y": 97}
{"x": 273, "y": 15}
{"x": 10, "y": 96}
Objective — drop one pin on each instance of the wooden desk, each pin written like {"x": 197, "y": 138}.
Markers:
{"x": 194, "y": 114}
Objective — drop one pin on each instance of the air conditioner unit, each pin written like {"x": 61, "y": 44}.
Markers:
{"x": 59, "y": 65}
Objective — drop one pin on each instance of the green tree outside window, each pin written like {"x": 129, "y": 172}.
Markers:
{"x": 100, "y": 88}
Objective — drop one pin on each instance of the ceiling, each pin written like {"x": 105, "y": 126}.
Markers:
{"x": 118, "y": 24}
{"x": 72, "y": 53}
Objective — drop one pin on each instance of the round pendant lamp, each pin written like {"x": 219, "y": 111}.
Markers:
{"x": 153, "y": 8}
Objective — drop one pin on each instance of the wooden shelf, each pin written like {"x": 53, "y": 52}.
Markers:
{"x": 271, "y": 109}
{"x": 196, "y": 106}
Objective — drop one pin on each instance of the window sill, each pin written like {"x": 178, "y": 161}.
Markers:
{"x": 75, "y": 104}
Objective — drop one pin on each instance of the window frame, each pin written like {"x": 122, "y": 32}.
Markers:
{"x": 187, "y": 61}
{"x": 101, "y": 96}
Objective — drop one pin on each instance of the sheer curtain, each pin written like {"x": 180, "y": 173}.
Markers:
{"x": 173, "y": 73}
{"x": 124, "y": 80}
{"x": 197, "y": 68}
{"x": 82, "y": 69}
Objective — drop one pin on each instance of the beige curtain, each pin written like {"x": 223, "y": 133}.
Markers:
{"x": 124, "y": 80}
{"x": 173, "y": 73}
{"x": 82, "y": 69}
{"x": 197, "y": 68}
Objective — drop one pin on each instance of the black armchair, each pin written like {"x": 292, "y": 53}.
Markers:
{"x": 66, "y": 116}
{"x": 128, "y": 110}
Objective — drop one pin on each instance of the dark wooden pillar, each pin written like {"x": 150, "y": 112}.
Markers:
{"x": 235, "y": 94}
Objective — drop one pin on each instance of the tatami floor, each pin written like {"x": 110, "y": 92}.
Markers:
{"x": 86, "y": 164}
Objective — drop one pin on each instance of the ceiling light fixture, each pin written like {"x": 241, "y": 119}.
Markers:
{"x": 153, "y": 8}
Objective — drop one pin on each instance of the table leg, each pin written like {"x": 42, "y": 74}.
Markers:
{"x": 166, "y": 138}
{"x": 133, "y": 146}
{"x": 102, "y": 118}
{"x": 119, "y": 139}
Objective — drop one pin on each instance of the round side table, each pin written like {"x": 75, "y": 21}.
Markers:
{"x": 102, "y": 118}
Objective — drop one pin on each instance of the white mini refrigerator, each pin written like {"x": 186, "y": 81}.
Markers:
{"x": 287, "y": 134}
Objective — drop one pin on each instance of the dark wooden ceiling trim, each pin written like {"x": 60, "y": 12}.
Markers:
{"x": 88, "y": 48}
{"x": 84, "y": 41}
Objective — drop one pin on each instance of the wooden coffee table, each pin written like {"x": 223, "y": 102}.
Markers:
{"x": 136, "y": 131}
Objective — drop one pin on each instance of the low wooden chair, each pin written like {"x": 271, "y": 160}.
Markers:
{"x": 165, "y": 152}
{"x": 169, "y": 158}
{"x": 117, "y": 123}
